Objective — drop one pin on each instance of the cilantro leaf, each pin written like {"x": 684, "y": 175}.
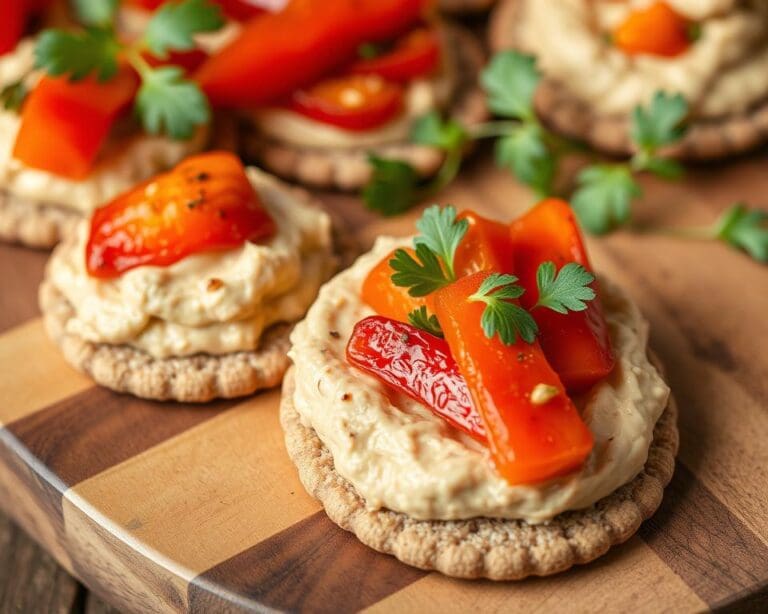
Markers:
{"x": 510, "y": 80}
{"x": 604, "y": 196}
{"x": 431, "y": 129}
{"x": 96, "y": 12}
{"x": 524, "y": 151}
{"x": 745, "y": 229}
{"x": 94, "y": 50}
{"x": 565, "y": 291}
{"x": 167, "y": 102}
{"x": 441, "y": 233}
{"x": 422, "y": 275}
{"x": 420, "y": 318}
{"x": 393, "y": 187}
{"x": 501, "y": 317}
{"x": 12, "y": 96}
{"x": 175, "y": 24}
{"x": 659, "y": 124}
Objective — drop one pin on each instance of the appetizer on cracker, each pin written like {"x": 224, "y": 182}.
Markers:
{"x": 477, "y": 401}
{"x": 186, "y": 286}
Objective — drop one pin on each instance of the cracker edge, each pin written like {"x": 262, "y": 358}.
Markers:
{"x": 34, "y": 224}
{"x": 568, "y": 115}
{"x": 348, "y": 168}
{"x": 497, "y": 549}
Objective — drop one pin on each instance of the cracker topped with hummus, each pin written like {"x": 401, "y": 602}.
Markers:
{"x": 186, "y": 286}
{"x": 474, "y": 402}
{"x": 602, "y": 59}
{"x": 319, "y": 94}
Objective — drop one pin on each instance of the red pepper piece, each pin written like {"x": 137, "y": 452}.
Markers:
{"x": 414, "y": 55}
{"x": 534, "y": 430}
{"x": 577, "y": 344}
{"x": 654, "y": 30}
{"x": 418, "y": 364}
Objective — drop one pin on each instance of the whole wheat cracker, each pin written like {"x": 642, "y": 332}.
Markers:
{"x": 348, "y": 168}
{"x": 706, "y": 139}
{"x": 497, "y": 549}
{"x": 34, "y": 224}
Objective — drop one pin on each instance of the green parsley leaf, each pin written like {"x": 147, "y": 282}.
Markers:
{"x": 663, "y": 167}
{"x": 510, "y": 80}
{"x": 565, "y": 291}
{"x": 175, "y": 24}
{"x": 393, "y": 187}
{"x": 167, "y": 102}
{"x": 432, "y": 130}
{"x": 13, "y": 95}
{"x": 524, "y": 151}
{"x": 604, "y": 196}
{"x": 500, "y": 316}
{"x": 96, "y": 12}
{"x": 93, "y": 50}
{"x": 661, "y": 123}
{"x": 441, "y": 233}
{"x": 422, "y": 275}
{"x": 745, "y": 229}
{"x": 420, "y": 318}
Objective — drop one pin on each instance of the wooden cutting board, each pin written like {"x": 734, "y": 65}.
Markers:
{"x": 170, "y": 507}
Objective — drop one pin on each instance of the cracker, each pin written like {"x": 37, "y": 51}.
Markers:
{"x": 484, "y": 548}
{"x": 348, "y": 168}
{"x": 706, "y": 139}
{"x": 34, "y": 224}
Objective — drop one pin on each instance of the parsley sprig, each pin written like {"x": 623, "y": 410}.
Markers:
{"x": 167, "y": 102}
{"x": 501, "y": 316}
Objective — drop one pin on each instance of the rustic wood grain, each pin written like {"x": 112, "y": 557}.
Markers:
{"x": 167, "y": 509}
{"x": 21, "y": 271}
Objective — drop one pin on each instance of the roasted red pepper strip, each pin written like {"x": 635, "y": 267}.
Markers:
{"x": 414, "y": 55}
{"x": 240, "y": 10}
{"x": 418, "y": 364}
{"x": 64, "y": 124}
{"x": 577, "y": 344}
{"x": 206, "y": 203}
{"x": 12, "y": 23}
{"x": 534, "y": 430}
{"x": 654, "y": 30}
{"x": 278, "y": 53}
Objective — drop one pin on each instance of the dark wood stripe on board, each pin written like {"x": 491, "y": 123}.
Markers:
{"x": 312, "y": 566}
{"x": 89, "y": 432}
{"x": 703, "y": 542}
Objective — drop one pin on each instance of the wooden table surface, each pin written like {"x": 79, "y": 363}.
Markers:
{"x": 258, "y": 539}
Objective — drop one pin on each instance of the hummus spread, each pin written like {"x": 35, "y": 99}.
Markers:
{"x": 724, "y": 72}
{"x": 400, "y": 456}
{"x": 216, "y": 302}
{"x": 126, "y": 160}
{"x": 421, "y": 96}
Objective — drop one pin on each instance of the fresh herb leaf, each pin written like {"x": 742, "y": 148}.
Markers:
{"x": 566, "y": 290}
{"x": 420, "y": 318}
{"x": 13, "y": 95}
{"x": 368, "y": 51}
{"x": 745, "y": 229}
{"x": 94, "y": 50}
{"x": 431, "y": 129}
{"x": 175, "y": 24}
{"x": 167, "y": 102}
{"x": 662, "y": 167}
{"x": 510, "y": 80}
{"x": 501, "y": 317}
{"x": 525, "y": 152}
{"x": 96, "y": 12}
{"x": 422, "y": 275}
{"x": 393, "y": 187}
{"x": 441, "y": 233}
{"x": 603, "y": 199}
{"x": 659, "y": 124}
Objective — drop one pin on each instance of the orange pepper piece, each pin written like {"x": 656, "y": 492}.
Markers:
{"x": 534, "y": 430}
{"x": 655, "y": 30}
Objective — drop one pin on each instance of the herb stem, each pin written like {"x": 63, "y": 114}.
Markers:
{"x": 138, "y": 62}
{"x": 492, "y": 129}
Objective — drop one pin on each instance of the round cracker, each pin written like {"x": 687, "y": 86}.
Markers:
{"x": 706, "y": 139}
{"x": 34, "y": 224}
{"x": 498, "y": 549}
{"x": 348, "y": 168}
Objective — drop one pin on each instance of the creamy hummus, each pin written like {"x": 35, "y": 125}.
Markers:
{"x": 724, "y": 72}
{"x": 126, "y": 160}
{"x": 421, "y": 96}
{"x": 399, "y": 456}
{"x": 215, "y": 302}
